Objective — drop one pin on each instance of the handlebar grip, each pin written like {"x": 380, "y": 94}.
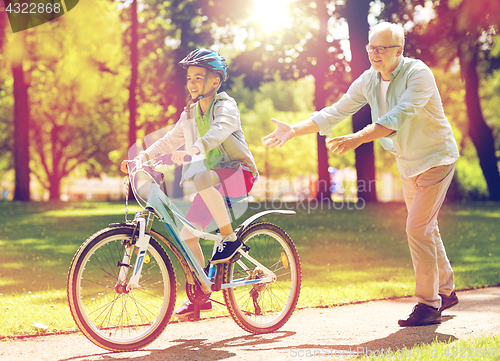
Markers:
{"x": 167, "y": 158}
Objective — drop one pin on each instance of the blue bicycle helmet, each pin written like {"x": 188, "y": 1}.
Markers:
{"x": 207, "y": 59}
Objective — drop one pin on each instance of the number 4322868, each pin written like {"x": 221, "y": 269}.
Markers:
{"x": 34, "y": 8}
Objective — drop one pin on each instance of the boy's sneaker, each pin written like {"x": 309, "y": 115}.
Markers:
{"x": 448, "y": 301}
{"x": 227, "y": 249}
{"x": 187, "y": 308}
{"x": 422, "y": 315}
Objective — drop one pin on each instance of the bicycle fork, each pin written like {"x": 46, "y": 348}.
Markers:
{"x": 144, "y": 221}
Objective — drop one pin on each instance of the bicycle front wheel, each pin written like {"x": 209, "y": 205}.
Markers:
{"x": 264, "y": 307}
{"x": 109, "y": 315}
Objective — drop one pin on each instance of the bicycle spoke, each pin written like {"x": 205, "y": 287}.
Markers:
{"x": 110, "y": 314}
{"x": 264, "y": 307}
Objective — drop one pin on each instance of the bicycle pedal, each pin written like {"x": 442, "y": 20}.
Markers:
{"x": 219, "y": 274}
{"x": 235, "y": 258}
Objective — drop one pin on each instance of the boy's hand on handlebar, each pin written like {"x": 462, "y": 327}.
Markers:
{"x": 123, "y": 166}
{"x": 181, "y": 156}
{"x": 178, "y": 157}
{"x": 127, "y": 163}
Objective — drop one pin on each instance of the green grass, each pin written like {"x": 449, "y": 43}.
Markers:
{"x": 347, "y": 254}
{"x": 479, "y": 348}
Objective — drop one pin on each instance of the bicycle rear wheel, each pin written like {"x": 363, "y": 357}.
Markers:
{"x": 264, "y": 307}
{"x": 109, "y": 316}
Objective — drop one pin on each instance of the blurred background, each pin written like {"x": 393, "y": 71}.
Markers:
{"x": 78, "y": 91}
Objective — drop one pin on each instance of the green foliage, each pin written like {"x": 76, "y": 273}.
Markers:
{"x": 75, "y": 93}
{"x": 6, "y": 125}
{"x": 78, "y": 69}
{"x": 257, "y": 109}
{"x": 490, "y": 98}
{"x": 468, "y": 183}
{"x": 278, "y": 162}
{"x": 459, "y": 31}
{"x": 452, "y": 91}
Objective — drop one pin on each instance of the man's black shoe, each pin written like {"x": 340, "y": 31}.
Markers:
{"x": 448, "y": 301}
{"x": 422, "y": 315}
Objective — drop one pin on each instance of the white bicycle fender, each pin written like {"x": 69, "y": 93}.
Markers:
{"x": 261, "y": 214}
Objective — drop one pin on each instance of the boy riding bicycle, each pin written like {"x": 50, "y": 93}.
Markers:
{"x": 209, "y": 125}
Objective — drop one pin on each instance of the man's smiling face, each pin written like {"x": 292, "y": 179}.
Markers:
{"x": 387, "y": 62}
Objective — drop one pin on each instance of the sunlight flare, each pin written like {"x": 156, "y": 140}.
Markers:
{"x": 273, "y": 15}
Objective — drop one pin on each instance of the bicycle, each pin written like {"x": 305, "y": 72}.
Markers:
{"x": 121, "y": 284}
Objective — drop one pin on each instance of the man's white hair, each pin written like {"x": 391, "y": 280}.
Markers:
{"x": 398, "y": 33}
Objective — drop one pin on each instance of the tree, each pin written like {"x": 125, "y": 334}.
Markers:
{"x": 6, "y": 114}
{"x": 21, "y": 121}
{"x": 134, "y": 64}
{"x": 18, "y": 50}
{"x": 306, "y": 50}
{"x": 290, "y": 101}
{"x": 462, "y": 29}
{"x": 311, "y": 49}
{"x": 356, "y": 14}
{"x": 74, "y": 94}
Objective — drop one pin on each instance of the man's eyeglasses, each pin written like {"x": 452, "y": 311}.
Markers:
{"x": 379, "y": 49}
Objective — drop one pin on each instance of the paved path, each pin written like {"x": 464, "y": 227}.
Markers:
{"x": 369, "y": 326}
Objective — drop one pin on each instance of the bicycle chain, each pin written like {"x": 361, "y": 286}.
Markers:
{"x": 196, "y": 295}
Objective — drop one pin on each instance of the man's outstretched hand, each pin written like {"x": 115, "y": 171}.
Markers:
{"x": 340, "y": 145}
{"x": 280, "y": 136}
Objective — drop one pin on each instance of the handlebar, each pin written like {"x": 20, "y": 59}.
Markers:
{"x": 167, "y": 158}
{"x": 149, "y": 168}
{"x": 158, "y": 161}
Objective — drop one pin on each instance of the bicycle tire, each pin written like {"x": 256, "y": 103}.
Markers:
{"x": 114, "y": 319}
{"x": 264, "y": 308}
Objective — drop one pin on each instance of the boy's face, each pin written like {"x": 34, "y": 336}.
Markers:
{"x": 196, "y": 79}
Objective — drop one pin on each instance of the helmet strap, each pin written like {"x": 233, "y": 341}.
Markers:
{"x": 201, "y": 96}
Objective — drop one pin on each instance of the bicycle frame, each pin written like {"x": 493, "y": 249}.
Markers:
{"x": 157, "y": 205}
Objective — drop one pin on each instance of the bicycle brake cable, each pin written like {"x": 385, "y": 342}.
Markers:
{"x": 127, "y": 186}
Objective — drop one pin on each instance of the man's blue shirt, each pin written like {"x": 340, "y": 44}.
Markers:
{"x": 423, "y": 136}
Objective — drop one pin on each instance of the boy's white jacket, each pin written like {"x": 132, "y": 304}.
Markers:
{"x": 225, "y": 133}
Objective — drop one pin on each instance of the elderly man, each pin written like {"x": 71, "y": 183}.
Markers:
{"x": 409, "y": 121}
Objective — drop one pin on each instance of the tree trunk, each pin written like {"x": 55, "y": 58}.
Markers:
{"x": 480, "y": 133}
{"x": 55, "y": 174}
{"x": 132, "y": 101}
{"x": 320, "y": 101}
{"x": 55, "y": 188}
{"x": 356, "y": 14}
{"x": 365, "y": 159}
{"x": 21, "y": 127}
{"x": 179, "y": 78}
{"x": 134, "y": 66}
